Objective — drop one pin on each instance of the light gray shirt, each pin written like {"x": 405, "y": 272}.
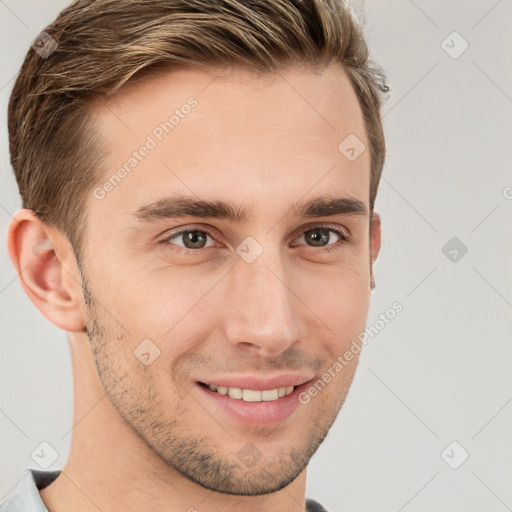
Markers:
{"x": 26, "y": 497}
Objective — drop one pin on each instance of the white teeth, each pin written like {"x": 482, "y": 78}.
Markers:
{"x": 235, "y": 393}
{"x": 270, "y": 394}
{"x": 252, "y": 395}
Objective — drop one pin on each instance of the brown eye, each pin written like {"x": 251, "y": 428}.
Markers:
{"x": 318, "y": 237}
{"x": 190, "y": 238}
{"x": 321, "y": 237}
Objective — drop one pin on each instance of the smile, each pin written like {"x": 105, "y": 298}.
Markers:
{"x": 253, "y": 395}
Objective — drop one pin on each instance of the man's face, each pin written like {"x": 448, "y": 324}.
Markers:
{"x": 262, "y": 304}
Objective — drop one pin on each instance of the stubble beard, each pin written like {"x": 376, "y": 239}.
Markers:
{"x": 196, "y": 457}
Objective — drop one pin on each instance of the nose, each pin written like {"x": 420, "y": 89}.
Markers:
{"x": 264, "y": 313}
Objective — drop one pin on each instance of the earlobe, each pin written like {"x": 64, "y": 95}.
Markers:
{"x": 40, "y": 257}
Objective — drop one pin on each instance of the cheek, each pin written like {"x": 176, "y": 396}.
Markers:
{"x": 164, "y": 302}
{"x": 343, "y": 305}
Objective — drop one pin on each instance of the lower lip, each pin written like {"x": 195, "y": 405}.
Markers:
{"x": 254, "y": 413}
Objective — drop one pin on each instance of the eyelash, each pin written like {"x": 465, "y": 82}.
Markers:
{"x": 344, "y": 238}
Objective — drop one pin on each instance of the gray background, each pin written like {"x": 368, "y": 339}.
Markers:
{"x": 440, "y": 371}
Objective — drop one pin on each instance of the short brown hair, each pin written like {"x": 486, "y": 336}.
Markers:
{"x": 102, "y": 44}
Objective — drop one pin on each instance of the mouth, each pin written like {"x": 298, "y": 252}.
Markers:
{"x": 251, "y": 395}
{"x": 271, "y": 403}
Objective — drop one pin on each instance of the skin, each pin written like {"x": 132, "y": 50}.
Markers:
{"x": 139, "y": 430}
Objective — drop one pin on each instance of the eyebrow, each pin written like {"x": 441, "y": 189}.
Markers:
{"x": 175, "y": 207}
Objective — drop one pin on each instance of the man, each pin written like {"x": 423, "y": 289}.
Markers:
{"x": 198, "y": 182}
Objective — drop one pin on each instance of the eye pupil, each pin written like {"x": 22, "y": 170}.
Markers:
{"x": 192, "y": 236}
{"x": 314, "y": 237}
{"x": 196, "y": 239}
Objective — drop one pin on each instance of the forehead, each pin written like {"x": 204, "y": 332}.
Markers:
{"x": 231, "y": 135}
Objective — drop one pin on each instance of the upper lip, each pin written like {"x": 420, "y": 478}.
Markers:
{"x": 255, "y": 382}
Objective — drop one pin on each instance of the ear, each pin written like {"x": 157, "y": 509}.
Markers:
{"x": 374, "y": 242}
{"x": 47, "y": 269}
